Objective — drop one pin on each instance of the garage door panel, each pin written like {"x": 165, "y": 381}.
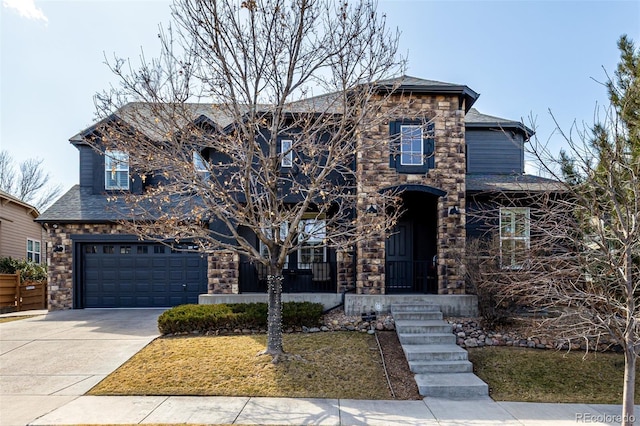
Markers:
{"x": 140, "y": 275}
{"x": 107, "y": 261}
{"x": 142, "y": 262}
{"x": 125, "y": 261}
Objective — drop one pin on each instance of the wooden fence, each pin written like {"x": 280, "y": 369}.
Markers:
{"x": 21, "y": 296}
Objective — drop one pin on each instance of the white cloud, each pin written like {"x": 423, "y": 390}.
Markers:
{"x": 26, "y": 9}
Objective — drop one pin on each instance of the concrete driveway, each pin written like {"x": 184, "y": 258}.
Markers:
{"x": 49, "y": 360}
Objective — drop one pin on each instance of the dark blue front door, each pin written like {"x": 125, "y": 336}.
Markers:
{"x": 399, "y": 264}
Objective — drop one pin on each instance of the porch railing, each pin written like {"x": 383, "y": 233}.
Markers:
{"x": 411, "y": 277}
{"x": 314, "y": 278}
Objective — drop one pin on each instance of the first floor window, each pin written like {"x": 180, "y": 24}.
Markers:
{"x": 284, "y": 231}
{"x": 116, "y": 170}
{"x": 515, "y": 223}
{"x": 33, "y": 251}
{"x": 312, "y": 235}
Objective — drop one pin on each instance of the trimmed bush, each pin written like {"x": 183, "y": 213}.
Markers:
{"x": 203, "y": 318}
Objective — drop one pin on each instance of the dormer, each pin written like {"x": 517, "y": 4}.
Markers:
{"x": 495, "y": 145}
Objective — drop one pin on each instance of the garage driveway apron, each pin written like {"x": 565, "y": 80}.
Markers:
{"x": 50, "y": 360}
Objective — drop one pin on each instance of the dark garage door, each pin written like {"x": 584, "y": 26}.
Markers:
{"x": 141, "y": 275}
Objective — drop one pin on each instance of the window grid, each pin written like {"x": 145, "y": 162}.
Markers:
{"x": 515, "y": 231}
{"x": 411, "y": 145}
{"x": 312, "y": 234}
{"x": 116, "y": 170}
{"x": 33, "y": 250}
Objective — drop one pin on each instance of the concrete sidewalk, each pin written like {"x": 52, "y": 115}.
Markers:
{"x": 48, "y": 363}
{"x": 290, "y": 411}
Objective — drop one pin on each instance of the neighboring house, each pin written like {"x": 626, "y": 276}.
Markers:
{"x": 20, "y": 236}
{"x": 467, "y": 154}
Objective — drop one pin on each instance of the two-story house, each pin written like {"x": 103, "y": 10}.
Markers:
{"x": 463, "y": 155}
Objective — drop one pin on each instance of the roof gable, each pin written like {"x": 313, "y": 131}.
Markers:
{"x": 475, "y": 119}
{"x": 6, "y": 198}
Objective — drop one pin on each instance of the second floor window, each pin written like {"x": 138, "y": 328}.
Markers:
{"x": 116, "y": 170}
{"x": 200, "y": 166}
{"x": 515, "y": 223}
{"x": 411, "y": 146}
{"x": 287, "y": 153}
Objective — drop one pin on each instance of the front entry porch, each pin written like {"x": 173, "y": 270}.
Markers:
{"x": 317, "y": 277}
{"x": 411, "y": 249}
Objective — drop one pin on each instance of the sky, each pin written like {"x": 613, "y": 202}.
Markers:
{"x": 525, "y": 58}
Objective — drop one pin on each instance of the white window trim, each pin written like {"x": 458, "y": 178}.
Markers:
{"x": 117, "y": 157}
{"x": 511, "y": 239}
{"x": 412, "y": 153}
{"x": 286, "y": 145}
{"x": 33, "y": 252}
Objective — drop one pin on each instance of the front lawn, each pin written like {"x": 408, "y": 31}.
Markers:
{"x": 322, "y": 365}
{"x": 531, "y": 375}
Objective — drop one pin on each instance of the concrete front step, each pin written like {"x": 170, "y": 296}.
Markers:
{"x": 434, "y": 352}
{"x": 418, "y": 367}
{"x": 427, "y": 338}
{"x": 452, "y": 386}
{"x": 423, "y": 326}
{"x": 418, "y": 315}
{"x": 409, "y": 307}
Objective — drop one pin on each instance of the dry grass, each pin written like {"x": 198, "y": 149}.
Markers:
{"x": 324, "y": 365}
{"x": 530, "y": 375}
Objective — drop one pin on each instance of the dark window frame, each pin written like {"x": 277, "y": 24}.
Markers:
{"x": 428, "y": 147}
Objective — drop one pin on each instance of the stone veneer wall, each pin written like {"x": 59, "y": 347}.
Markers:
{"x": 61, "y": 264}
{"x": 345, "y": 273}
{"x": 374, "y": 173}
{"x": 222, "y": 272}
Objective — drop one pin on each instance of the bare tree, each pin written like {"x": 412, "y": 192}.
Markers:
{"x": 274, "y": 159}
{"x": 583, "y": 255}
{"x": 30, "y": 182}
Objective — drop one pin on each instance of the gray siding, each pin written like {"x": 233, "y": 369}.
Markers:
{"x": 87, "y": 165}
{"x": 494, "y": 151}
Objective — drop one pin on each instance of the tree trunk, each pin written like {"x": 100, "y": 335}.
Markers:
{"x": 274, "y": 316}
{"x": 629, "y": 384}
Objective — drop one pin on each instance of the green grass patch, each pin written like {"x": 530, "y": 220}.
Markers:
{"x": 530, "y": 375}
{"x": 323, "y": 365}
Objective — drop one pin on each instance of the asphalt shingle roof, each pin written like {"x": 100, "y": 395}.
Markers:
{"x": 80, "y": 205}
{"x": 510, "y": 183}
{"x": 474, "y": 118}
